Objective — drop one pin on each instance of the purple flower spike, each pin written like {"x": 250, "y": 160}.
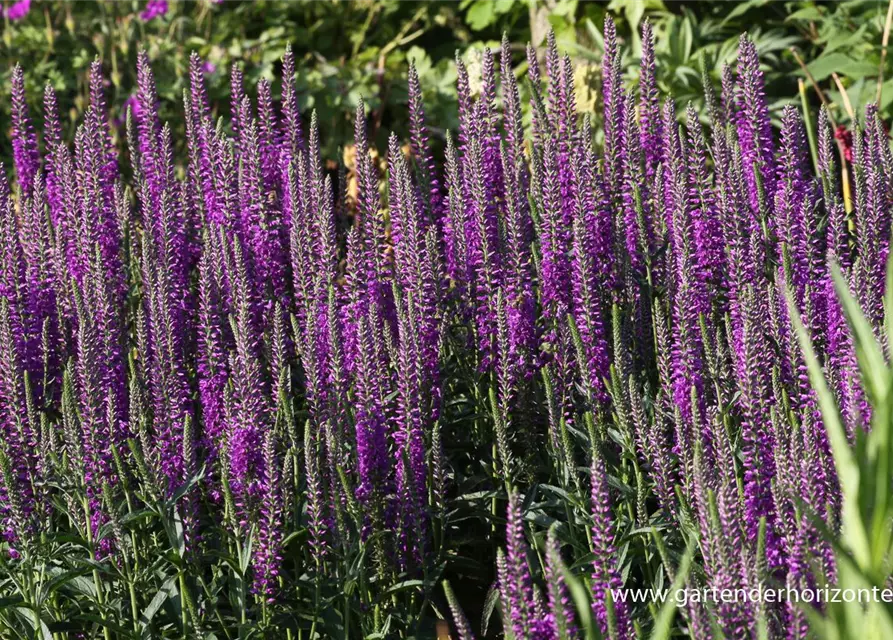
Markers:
{"x": 560, "y": 606}
{"x": 425, "y": 166}
{"x": 605, "y": 578}
{"x": 268, "y": 554}
{"x": 649, "y": 107}
{"x": 24, "y": 141}
{"x": 754, "y": 127}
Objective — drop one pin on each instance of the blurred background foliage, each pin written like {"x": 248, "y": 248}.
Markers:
{"x": 351, "y": 49}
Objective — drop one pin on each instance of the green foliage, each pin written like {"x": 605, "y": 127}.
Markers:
{"x": 845, "y": 38}
{"x": 343, "y": 50}
{"x": 348, "y": 50}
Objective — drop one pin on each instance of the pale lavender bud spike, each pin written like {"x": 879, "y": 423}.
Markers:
{"x": 52, "y": 138}
{"x": 425, "y": 165}
{"x": 753, "y": 125}
{"x": 267, "y": 559}
{"x": 613, "y": 101}
{"x": 560, "y": 606}
{"x": 649, "y": 107}
{"x": 26, "y": 155}
{"x": 463, "y": 96}
{"x": 606, "y": 577}
{"x": 291, "y": 116}
{"x": 463, "y": 628}
{"x": 517, "y": 586}
{"x": 237, "y": 96}
{"x": 838, "y": 234}
{"x": 268, "y": 130}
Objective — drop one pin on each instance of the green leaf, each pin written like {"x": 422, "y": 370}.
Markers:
{"x": 406, "y": 585}
{"x": 806, "y": 13}
{"x": 663, "y": 626}
{"x": 841, "y": 64}
{"x": 580, "y": 597}
{"x": 743, "y": 7}
{"x": 140, "y": 514}
{"x": 504, "y": 6}
{"x": 490, "y": 603}
{"x": 33, "y": 618}
{"x": 75, "y": 580}
{"x": 481, "y": 15}
{"x": 245, "y": 552}
{"x": 840, "y": 39}
{"x": 10, "y": 602}
{"x": 176, "y": 534}
{"x": 108, "y": 624}
{"x": 167, "y": 590}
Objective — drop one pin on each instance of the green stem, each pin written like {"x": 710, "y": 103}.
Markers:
{"x": 184, "y": 614}
{"x": 315, "y": 602}
{"x": 97, "y": 582}
{"x": 133, "y": 605}
{"x": 807, "y": 121}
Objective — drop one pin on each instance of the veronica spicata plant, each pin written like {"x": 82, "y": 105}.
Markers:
{"x": 244, "y": 394}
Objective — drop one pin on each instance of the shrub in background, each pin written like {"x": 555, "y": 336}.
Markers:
{"x": 346, "y": 51}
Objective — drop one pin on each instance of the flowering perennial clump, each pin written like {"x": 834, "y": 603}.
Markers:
{"x": 304, "y": 387}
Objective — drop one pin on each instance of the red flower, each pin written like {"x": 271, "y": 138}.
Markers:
{"x": 846, "y": 138}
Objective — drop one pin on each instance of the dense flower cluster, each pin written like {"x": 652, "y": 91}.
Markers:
{"x": 700, "y": 260}
{"x": 263, "y": 355}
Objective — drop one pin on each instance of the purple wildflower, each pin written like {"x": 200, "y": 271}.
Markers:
{"x": 24, "y": 141}
{"x": 605, "y": 578}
